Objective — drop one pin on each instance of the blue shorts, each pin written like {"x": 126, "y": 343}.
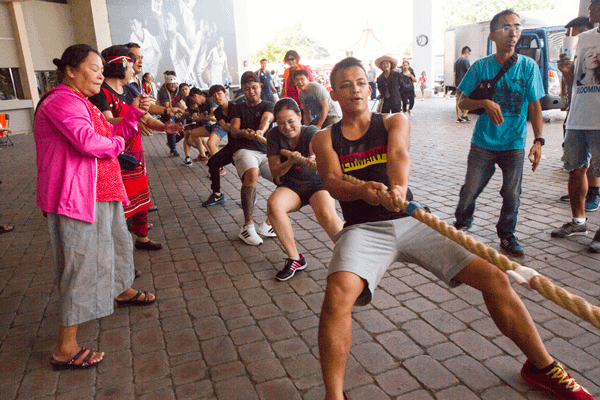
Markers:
{"x": 216, "y": 129}
{"x": 580, "y": 146}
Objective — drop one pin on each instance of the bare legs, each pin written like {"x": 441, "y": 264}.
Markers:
{"x": 213, "y": 144}
{"x": 202, "y": 140}
{"x": 343, "y": 288}
{"x": 192, "y": 138}
{"x": 324, "y": 206}
{"x": 335, "y": 329}
{"x": 506, "y": 309}
{"x": 284, "y": 200}
{"x": 578, "y": 188}
{"x": 67, "y": 346}
{"x": 248, "y": 194}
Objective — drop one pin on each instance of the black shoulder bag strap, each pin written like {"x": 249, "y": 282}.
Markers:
{"x": 485, "y": 88}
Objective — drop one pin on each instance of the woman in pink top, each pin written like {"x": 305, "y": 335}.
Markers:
{"x": 80, "y": 190}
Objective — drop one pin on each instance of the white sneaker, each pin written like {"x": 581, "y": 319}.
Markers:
{"x": 265, "y": 230}
{"x": 187, "y": 161}
{"x": 249, "y": 236}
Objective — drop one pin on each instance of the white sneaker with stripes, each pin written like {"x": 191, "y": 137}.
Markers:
{"x": 249, "y": 236}
{"x": 265, "y": 230}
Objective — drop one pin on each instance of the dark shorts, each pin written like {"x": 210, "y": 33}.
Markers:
{"x": 304, "y": 189}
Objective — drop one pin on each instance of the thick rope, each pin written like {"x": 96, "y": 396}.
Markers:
{"x": 575, "y": 304}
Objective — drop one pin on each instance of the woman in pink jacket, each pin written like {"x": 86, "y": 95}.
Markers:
{"x": 80, "y": 190}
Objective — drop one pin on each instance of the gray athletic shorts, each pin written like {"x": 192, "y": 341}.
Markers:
{"x": 368, "y": 250}
{"x": 245, "y": 159}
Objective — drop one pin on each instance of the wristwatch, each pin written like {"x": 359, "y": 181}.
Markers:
{"x": 539, "y": 139}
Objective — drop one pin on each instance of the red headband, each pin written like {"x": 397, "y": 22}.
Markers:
{"x": 119, "y": 59}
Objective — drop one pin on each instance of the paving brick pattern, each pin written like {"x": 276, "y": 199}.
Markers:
{"x": 224, "y": 328}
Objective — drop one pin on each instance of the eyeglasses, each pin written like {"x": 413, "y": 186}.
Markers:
{"x": 291, "y": 59}
{"x": 507, "y": 28}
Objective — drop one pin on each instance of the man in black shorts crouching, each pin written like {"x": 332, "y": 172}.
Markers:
{"x": 375, "y": 148}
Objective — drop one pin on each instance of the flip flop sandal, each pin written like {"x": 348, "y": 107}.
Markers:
{"x": 136, "y": 301}
{"x": 70, "y": 363}
{"x": 5, "y": 229}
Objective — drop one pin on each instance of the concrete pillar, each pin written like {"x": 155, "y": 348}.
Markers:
{"x": 26, "y": 70}
{"x": 422, "y": 44}
{"x": 90, "y": 23}
{"x": 240, "y": 17}
{"x": 583, "y": 8}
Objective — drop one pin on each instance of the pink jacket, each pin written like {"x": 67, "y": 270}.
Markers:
{"x": 67, "y": 148}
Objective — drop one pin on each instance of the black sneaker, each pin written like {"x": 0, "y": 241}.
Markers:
{"x": 565, "y": 198}
{"x": 511, "y": 246}
{"x": 290, "y": 268}
{"x": 214, "y": 199}
{"x": 187, "y": 161}
{"x": 462, "y": 227}
{"x": 466, "y": 119}
{"x": 460, "y": 120}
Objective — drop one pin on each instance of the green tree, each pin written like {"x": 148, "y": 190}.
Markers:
{"x": 291, "y": 38}
{"x": 471, "y": 11}
{"x": 270, "y": 51}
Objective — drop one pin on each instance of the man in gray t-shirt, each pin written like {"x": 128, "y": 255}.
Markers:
{"x": 318, "y": 108}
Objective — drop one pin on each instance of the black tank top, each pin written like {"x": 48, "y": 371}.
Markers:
{"x": 366, "y": 159}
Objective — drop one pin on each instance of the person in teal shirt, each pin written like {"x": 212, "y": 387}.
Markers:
{"x": 500, "y": 133}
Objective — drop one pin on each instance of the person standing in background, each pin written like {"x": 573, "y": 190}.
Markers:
{"x": 461, "y": 66}
{"x": 372, "y": 78}
{"x": 292, "y": 58}
{"x": 266, "y": 82}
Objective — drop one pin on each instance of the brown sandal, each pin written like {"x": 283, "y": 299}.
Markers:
{"x": 70, "y": 363}
{"x": 136, "y": 301}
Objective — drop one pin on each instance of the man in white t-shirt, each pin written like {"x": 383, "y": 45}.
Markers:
{"x": 372, "y": 78}
{"x": 582, "y": 139}
{"x": 318, "y": 108}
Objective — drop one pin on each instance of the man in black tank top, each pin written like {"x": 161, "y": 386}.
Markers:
{"x": 375, "y": 148}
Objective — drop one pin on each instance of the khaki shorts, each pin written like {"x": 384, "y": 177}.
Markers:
{"x": 245, "y": 159}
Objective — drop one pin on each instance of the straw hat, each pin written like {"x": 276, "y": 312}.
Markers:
{"x": 391, "y": 59}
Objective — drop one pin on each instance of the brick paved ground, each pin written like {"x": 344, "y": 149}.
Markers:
{"x": 223, "y": 328}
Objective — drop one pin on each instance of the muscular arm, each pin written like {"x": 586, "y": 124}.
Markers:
{"x": 265, "y": 121}
{"x": 330, "y": 171}
{"x": 236, "y": 132}
{"x": 305, "y": 115}
{"x": 398, "y": 157}
{"x": 226, "y": 126}
{"x": 278, "y": 168}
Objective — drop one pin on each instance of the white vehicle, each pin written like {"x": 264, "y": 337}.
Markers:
{"x": 538, "y": 41}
